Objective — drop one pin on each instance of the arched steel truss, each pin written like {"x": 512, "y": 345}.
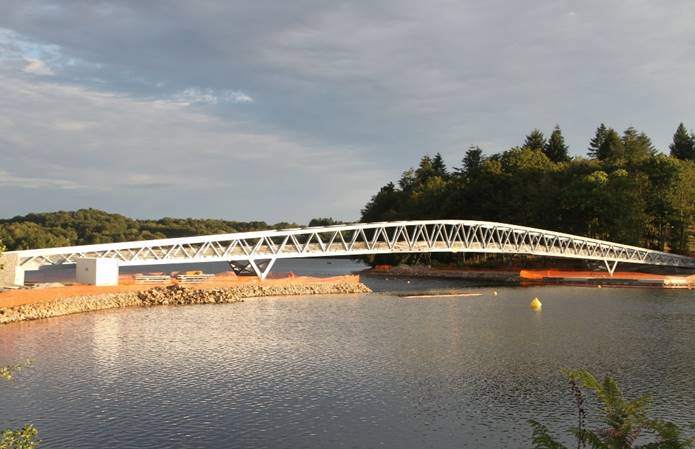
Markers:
{"x": 260, "y": 250}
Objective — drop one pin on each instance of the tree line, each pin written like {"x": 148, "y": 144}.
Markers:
{"x": 88, "y": 226}
{"x": 623, "y": 190}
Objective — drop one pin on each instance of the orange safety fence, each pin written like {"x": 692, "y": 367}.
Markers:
{"x": 541, "y": 274}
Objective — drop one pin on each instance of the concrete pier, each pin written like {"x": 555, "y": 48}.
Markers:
{"x": 96, "y": 271}
{"x": 11, "y": 274}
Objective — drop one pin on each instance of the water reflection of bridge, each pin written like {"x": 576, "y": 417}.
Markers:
{"x": 257, "y": 251}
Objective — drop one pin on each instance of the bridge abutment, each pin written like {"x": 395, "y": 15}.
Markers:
{"x": 97, "y": 271}
{"x": 11, "y": 273}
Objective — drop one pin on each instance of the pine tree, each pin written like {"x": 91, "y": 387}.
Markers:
{"x": 535, "y": 140}
{"x": 611, "y": 148}
{"x": 637, "y": 145}
{"x": 424, "y": 171}
{"x": 683, "y": 146}
{"x": 438, "y": 166}
{"x": 597, "y": 141}
{"x": 555, "y": 149}
{"x": 472, "y": 162}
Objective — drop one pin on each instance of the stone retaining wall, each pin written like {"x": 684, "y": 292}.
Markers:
{"x": 172, "y": 295}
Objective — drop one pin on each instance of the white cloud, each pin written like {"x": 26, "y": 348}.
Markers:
{"x": 57, "y": 137}
{"x": 28, "y": 182}
{"x": 38, "y": 67}
{"x": 27, "y": 56}
{"x": 196, "y": 95}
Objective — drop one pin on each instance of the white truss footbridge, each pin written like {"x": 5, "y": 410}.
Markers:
{"x": 257, "y": 251}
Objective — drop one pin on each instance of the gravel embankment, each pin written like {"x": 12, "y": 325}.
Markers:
{"x": 171, "y": 295}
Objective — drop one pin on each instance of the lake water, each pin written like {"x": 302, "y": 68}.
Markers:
{"x": 360, "y": 371}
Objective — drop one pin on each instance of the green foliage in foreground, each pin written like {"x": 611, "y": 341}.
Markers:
{"x": 8, "y": 372}
{"x": 27, "y": 436}
{"x": 623, "y": 421}
{"x": 24, "y": 438}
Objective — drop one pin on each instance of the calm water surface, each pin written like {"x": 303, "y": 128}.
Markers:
{"x": 362, "y": 371}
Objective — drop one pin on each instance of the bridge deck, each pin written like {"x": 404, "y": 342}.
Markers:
{"x": 357, "y": 239}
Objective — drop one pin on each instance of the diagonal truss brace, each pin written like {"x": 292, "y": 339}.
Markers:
{"x": 262, "y": 267}
{"x": 610, "y": 267}
{"x": 258, "y": 267}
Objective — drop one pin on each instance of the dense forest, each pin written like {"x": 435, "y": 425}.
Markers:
{"x": 86, "y": 226}
{"x": 624, "y": 190}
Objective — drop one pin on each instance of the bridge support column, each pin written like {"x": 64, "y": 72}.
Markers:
{"x": 97, "y": 271}
{"x": 259, "y": 267}
{"x": 11, "y": 273}
{"x": 262, "y": 267}
{"x": 611, "y": 268}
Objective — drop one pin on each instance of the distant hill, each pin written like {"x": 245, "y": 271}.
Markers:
{"x": 87, "y": 226}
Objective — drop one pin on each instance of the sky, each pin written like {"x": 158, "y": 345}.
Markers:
{"x": 284, "y": 111}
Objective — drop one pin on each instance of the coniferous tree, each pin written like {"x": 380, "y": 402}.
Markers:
{"x": 597, "y": 141}
{"x": 555, "y": 149}
{"x": 472, "y": 162}
{"x": 611, "y": 149}
{"x": 438, "y": 166}
{"x": 637, "y": 145}
{"x": 382, "y": 206}
{"x": 683, "y": 146}
{"x": 535, "y": 140}
{"x": 627, "y": 194}
{"x": 425, "y": 170}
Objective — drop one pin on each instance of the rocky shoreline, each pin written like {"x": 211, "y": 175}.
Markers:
{"x": 172, "y": 295}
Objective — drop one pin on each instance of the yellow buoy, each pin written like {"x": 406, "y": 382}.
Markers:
{"x": 494, "y": 293}
{"x": 536, "y": 304}
{"x": 599, "y": 285}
